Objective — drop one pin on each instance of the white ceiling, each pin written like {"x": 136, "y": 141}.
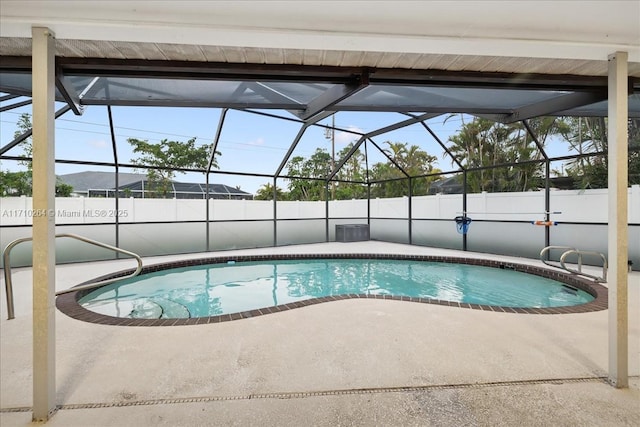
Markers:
{"x": 575, "y": 30}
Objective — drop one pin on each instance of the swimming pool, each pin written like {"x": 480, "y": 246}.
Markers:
{"x": 205, "y": 291}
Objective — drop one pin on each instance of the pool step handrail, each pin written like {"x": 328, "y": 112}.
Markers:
{"x": 579, "y": 271}
{"x": 6, "y": 255}
{"x": 544, "y": 256}
{"x": 573, "y": 251}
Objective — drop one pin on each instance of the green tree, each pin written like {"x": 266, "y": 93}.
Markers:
{"x": 167, "y": 156}
{"x": 531, "y": 175}
{"x": 300, "y": 170}
{"x": 383, "y": 171}
{"x": 354, "y": 169}
{"x": 412, "y": 160}
{"x": 24, "y": 125}
{"x": 15, "y": 184}
{"x": 588, "y": 135}
{"x": 63, "y": 189}
{"x": 265, "y": 192}
{"x": 481, "y": 143}
{"x": 478, "y": 144}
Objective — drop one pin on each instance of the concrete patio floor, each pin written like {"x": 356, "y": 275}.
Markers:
{"x": 348, "y": 362}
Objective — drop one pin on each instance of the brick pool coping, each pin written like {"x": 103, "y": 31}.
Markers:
{"x": 68, "y": 303}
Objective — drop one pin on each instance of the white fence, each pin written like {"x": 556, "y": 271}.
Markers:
{"x": 502, "y": 223}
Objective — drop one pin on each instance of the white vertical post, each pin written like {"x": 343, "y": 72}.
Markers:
{"x": 618, "y": 226}
{"x": 44, "y": 375}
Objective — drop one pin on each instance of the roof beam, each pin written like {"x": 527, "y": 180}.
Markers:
{"x": 19, "y": 139}
{"x": 319, "y": 117}
{"x": 69, "y": 94}
{"x": 399, "y": 125}
{"x": 535, "y": 140}
{"x": 334, "y": 95}
{"x": 204, "y": 70}
{"x": 232, "y": 105}
{"x": 216, "y": 139}
{"x": 293, "y": 146}
{"x": 315, "y": 121}
{"x": 346, "y": 158}
{"x": 434, "y": 110}
{"x": 8, "y": 97}
{"x": 309, "y": 73}
{"x": 487, "y": 80}
{"x": 16, "y": 105}
{"x": 546, "y": 108}
{"x": 272, "y": 95}
{"x": 371, "y": 134}
{"x": 439, "y": 141}
{"x": 388, "y": 156}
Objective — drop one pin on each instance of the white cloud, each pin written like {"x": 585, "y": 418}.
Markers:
{"x": 346, "y": 137}
{"x": 98, "y": 143}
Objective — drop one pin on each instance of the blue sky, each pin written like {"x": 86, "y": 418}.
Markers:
{"x": 249, "y": 143}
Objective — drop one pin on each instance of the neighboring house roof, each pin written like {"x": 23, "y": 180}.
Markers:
{"x": 188, "y": 187}
{"x": 82, "y": 182}
{"x": 451, "y": 185}
{"x": 563, "y": 182}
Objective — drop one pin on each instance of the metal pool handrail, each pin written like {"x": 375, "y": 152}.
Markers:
{"x": 570, "y": 251}
{"x": 602, "y": 278}
{"x": 7, "y": 268}
{"x": 549, "y": 248}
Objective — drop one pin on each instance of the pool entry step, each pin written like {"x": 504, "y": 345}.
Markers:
{"x": 160, "y": 308}
{"x": 352, "y": 232}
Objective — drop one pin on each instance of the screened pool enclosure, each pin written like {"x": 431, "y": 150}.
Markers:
{"x": 391, "y": 118}
{"x": 308, "y": 108}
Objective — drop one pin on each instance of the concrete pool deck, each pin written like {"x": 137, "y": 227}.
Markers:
{"x": 348, "y": 362}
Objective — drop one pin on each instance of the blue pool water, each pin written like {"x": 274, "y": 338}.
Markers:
{"x": 215, "y": 289}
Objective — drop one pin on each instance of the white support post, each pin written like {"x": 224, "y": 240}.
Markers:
{"x": 618, "y": 225}
{"x": 44, "y": 262}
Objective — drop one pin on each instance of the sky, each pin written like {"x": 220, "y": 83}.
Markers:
{"x": 249, "y": 143}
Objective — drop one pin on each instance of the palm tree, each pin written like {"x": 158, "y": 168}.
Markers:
{"x": 266, "y": 193}
{"x": 413, "y": 160}
{"x": 482, "y": 143}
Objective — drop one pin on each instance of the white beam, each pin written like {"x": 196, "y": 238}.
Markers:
{"x": 618, "y": 226}
{"x": 488, "y": 28}
{"x": 44, "y": 375}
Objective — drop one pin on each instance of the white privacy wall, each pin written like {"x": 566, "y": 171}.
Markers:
{"x": 147, "y": 225}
